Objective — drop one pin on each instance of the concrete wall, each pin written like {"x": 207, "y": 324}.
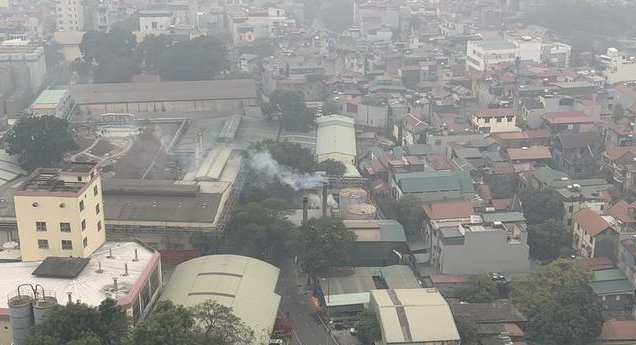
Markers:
{"x": 372, "y": 116}
{"x": 484, "y": 252}
{"x": 6, "y": 336}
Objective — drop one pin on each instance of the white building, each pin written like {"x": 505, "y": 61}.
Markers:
{"x": 4, "y": 3}
{"x": 154, "y": 22}
{"x": 495, "y": 120}
{"x": 529, "y": 48}
{"x": 556, "y": 54}
{"x": 618, "y": 68}
{"x": 482, "y": 55}
{"x": 69, "y": 15}
{"x": 336, "y": 139}
{"x": 245, "y": 27}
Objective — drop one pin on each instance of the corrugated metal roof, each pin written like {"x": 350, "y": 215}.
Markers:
{"x": 335, "y": 134}
{"x": 504, "y": 217}
{"x": 50, "y": 97}
{"x": 245, "y": 284}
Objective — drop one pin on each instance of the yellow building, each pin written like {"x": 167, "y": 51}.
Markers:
{"x": 59, "y": 212}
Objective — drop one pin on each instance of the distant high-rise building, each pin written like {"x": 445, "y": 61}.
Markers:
{"x": 69, "y": 15}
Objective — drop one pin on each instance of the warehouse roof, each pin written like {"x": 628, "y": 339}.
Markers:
{"x": 610, "y": 281}
{"x": 435, "y": 181}
{"x": 504, "y": 217}
{"x": 414, "y": 315}
{"x": 335, "y": 134}
{"x": 49, "y": 97}
{"x": 163, "y": 91}
{"x": 376, "y": 230}
{"x": 242, "y": 283}
{"x": 399, "y": 277}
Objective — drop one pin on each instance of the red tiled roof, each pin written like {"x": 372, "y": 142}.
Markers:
{"x": 530, "y": 153}
{"x": 448, "y": 210}
{"x": 619, "y": 330}
{"x": 614, "y": 153}
{"x": 439, "y": 162}
{"x": 500, "y": 168}
{"x": 447, "y": 279}
{"x": 495, "y": 112}
{"x": 632, "y": 108}
{"x": 531, "y": 134}
{"x": 597, "y": 263}
{"x": 513, "y": 330}
{"x": 500, "y": 204}
{"x": 591, "y": 222}
{"x": 565, "y": 117}
{"x": 620, "y": 211}
{"x": 626, "y": 90}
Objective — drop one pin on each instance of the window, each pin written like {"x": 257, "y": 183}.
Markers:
{"x": 95, "y": 190}
{"x": 81, "y": 205}
{"x": 65, "y": 227}
{"x": 486, "y": 119}
{"x": 618, "y": 297}
{"x": 99, "y": 225}
{"x": 602, "y": 207}
{"x": 85, "y": 242}
{"x": 499, "y": 119}
{"x": 570, "y": 209}
{"x": 83, "y": 224}
{"x": 67, "y": 245}
{"x": 40, "y": 226}
{"x": 97, "y": 209}
{"x": 569, "y": 221}
{"x": 43, "y": 244}
{"x": 79, "y": 178}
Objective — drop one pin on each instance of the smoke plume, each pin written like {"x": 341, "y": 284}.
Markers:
{"x": 264, "y": 163}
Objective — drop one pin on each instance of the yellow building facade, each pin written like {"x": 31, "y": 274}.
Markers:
{"x": 60, "y": 212}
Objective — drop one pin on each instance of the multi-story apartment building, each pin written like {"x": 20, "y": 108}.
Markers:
{"x": 60, "y": 212}
{"x": 483, "y": 55}
{"x": 70, "y": 15}
{"x": 495, "y": 120}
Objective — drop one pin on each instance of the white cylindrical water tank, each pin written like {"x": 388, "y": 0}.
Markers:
{"x": 350, "y": 196}
{"x": 361, "y": 211}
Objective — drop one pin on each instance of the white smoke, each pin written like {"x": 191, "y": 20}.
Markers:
{"x": 263, "y": 162}
{"x": 332, "y": 201}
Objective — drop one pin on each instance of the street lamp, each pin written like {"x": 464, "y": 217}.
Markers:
{"x": 327, "y": 310}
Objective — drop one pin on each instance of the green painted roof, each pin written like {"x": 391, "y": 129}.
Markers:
{"x": 348, "y": 299}
{"x": 418, "y": 149}
{"x": 50, "y": 97}
{"x": 608, "y": 274}
{"x": 377, "y": 152}
{"x": 451, "y": 232}
{"x": 497, "y": 44}
{"x": 505, "y": 217}
{"x": 551, "y": 177}
{"x": 612, "y": 287}
{"x": 435, "y": 181}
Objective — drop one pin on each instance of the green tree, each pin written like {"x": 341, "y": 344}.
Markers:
{"x": 202, "y": 58}
{"x": 547, "y": 239}
{"x": 478, "y": 289}
{"x": 539, "y": 206}
{"x": 217, "y": 324}
{"x": 571, "y": 316}
{"x": 153, "y": 47}
{"x": 368, "y": 327}
{"x": 40, "y": 141}
{"x": 259, "y": 228}
{"x": 545, "y": 282}
{"x": 409, "y": 213}
{"x": 618, "y": 111}
{"x": 330, "y": 108}
{"x": 290, "y": 108}
{"x": 116, "y": 70}
{"x": 321, "y": 243}
{"x": 77, "y": 323}
{"x": 261, "y": 46}
{"x": 388, "y": 205}
{"x": 167, "y": 324}
{"x": 110, "y": 56}
{"x": 205, "y": 242}
{"x": 331, "y": 167}
{"x": 467, "y": 329}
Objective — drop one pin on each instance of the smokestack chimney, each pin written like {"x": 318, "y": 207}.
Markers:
{"x": 115, "y": 286}
{"x": 305, "y": 210}
{"x": 125, "y": 269}
{"x": 136, "y": 256}
{"x": 70, "y": 297}
{"x": 324, "y": 199}
{"x": 99, "y": 267}
{"x": 110, "y": 253}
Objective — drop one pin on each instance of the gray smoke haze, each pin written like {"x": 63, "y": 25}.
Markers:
{"x": 263, "y": 162}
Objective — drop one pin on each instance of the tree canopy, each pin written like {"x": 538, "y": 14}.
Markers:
{"x": 257, "y": 228}
{"x": 467, "y": 329}
{"x": 331, "y": 167}
{"x": 204, "y": 324}
{"x": 545, "y": 282}
{"x": 79, "y": 324}
{"x": 111, "y": 57}
{"x": 322, "y": 242}
{"x": 153, "y": 47}
{"x": 548, "y": 239}
{"x": 40, "y": 140}
{"x": 201, "y": 58}
{"x": 478, "y": 289}
{"x": 409, "y": 213}
{"x": 289, "y": 107}
{"x": 368, "y": 327}
{"x": 539, "y": 206}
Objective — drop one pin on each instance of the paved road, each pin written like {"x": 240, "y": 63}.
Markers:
{"x": 308, "y": 329}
